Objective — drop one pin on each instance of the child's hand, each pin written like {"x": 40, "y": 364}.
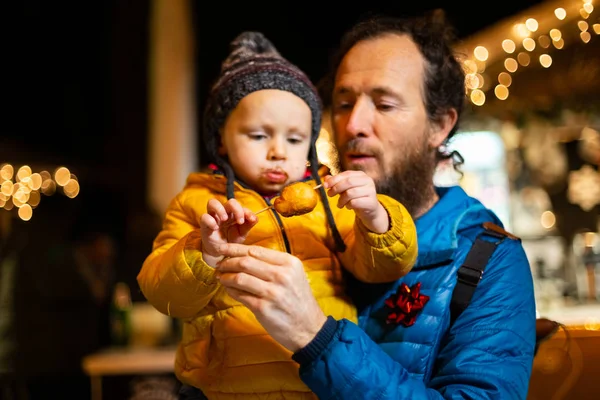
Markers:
{"x": 357, "y": 192}
{"x": 224, "y": 223}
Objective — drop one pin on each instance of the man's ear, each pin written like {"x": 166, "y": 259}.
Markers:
{"x": 442, "y": 127}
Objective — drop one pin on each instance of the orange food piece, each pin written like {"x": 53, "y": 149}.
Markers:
{"x": 296, "y": 199}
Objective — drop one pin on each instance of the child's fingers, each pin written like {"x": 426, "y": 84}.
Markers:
{"x": 250, "y": 217}
{"x": 217, "y": 210}
{"x": 234, "y": 208}
{"x": 208, "y": 222}
{"x": 348, "y": 182}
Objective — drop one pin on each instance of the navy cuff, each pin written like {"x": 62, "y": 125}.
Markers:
{"x": 316, "y": 346}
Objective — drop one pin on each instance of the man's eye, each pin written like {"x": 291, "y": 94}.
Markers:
{"x": 384, "y": 107}
{"x": 344, "y": 106}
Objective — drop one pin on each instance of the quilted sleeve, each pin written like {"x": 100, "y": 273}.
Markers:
{"x": 174, "y": 277}
{"x": 386, "y": 257}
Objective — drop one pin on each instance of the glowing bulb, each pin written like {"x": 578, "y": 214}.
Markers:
{"x": 477, "y": 97}
{"x": 531, "y": 24}
{"x": 481, "y": 53}
{"x": 545, "y": 60}
{"x": 508, "y": 46}
{"x": 501, "y": 92}
{"x": 560, "y": 13}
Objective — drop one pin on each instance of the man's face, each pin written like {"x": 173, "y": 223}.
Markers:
{"x": 379, "y": 118}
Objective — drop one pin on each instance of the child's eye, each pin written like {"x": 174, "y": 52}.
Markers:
{"x": 257, "y": 136}
{"x": 295, "y": 140}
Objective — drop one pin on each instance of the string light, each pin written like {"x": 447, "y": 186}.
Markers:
{"x": 527, "y": 34}
{"x": 22, "y": 189}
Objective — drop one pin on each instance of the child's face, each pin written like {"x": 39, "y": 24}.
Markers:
{"x": 266, "y": 139}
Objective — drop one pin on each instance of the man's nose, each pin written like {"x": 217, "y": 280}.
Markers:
{"x": 360, "y": 122}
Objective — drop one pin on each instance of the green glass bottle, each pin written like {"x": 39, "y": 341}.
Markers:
{"x": 120, "y": 315}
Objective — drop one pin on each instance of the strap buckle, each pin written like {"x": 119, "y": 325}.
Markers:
{"x": 469, "y": 276}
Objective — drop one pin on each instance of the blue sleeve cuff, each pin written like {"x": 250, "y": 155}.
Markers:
{"x": 316, "y": 346}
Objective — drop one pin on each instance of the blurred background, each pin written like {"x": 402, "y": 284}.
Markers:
{"x": 100, "y": 129}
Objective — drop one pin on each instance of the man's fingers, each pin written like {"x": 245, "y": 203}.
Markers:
{"x": 247, "y": 265}
{"x": 234, "y": 249}
{"x": 271, "y": 256}
{"x": 244, "y": 282}
{"x": 247, "y": 299}
{"x": 262, "y": 253}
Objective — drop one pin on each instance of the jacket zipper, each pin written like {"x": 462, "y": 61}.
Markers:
{"x": 280, "y": 222}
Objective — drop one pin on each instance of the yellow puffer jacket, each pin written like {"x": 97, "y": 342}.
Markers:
{"x": 224, "y": 351}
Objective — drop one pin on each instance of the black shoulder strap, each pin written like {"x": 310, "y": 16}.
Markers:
{"x": 471, "y": 271}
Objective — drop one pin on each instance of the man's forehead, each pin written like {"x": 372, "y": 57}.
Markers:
{"x": 380, "y": 62}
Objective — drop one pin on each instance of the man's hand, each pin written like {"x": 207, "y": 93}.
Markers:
{"x": 357, "y": 192}
{"x": 223, "y": 223}
{"x": 273, "y": 285}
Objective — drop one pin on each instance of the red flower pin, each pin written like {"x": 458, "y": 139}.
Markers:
{"x": 405, "y": 304}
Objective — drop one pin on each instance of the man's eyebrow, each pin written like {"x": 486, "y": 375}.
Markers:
{"x": 384, "y": 90}
{"x": 378, "y": 90}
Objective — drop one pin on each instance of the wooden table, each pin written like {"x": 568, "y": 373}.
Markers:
{"x": 127, "y": 361}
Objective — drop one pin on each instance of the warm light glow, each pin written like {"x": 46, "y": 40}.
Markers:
{"x": 529, "y": 44}
{"x": 584, "y": 14}
{"x": 477, "y": 97}
{"x": 6, "y": 188}
{"x": 521, "y": 30}
{"x": 555, "y": 34}
{"x": 36, "y": 181}
{"x": 470, "y": 66}
{"x": 544, "y": 41}
{"x": 25, "y": 212}
{"x": 511, "y": 64}
{"x": 592, "y": 324}
{"x": 524, "y": 59}
{"x": 501, "y": 92}
{"x": 548, "y": 219}
{"x": 531, "y": 24}
{"x": 481, "y": 81}
{"x": 24, "y": 189}
{"x": 71, "y": 188}
{"x": 481, "y": 53}
{"x": 545, "y": 60}
{"x": 472, "y": 81}
{"x": 34, "y": 199}
{"x": 588, "y": 7}
{"x": 508, "y": 46}
{"x": 559, "y": 44}
{"x": 585, "y": 36}
{"x": 504, "y": 79}
{"x": 6, "y": 172}
{"x": 23, "y": 172}
{"x": 560, "y": 13}
{"x": 583, "y": 26}
{"x": 596, "y": 28}
{"x": 62, "y": 176}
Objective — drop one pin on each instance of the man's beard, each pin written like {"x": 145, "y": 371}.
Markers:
{"x": 410, "y": 181}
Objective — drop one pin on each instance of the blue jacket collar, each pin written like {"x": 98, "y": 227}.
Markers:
{"x": 438, "y": 228}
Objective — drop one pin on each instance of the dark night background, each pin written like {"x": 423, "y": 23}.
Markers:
{"x": 75, "y": 84}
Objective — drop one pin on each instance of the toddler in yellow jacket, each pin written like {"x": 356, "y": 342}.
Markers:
{"x": 261, "y": 123}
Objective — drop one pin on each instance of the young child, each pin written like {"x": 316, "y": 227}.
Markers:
{"x": 261, "y": 123}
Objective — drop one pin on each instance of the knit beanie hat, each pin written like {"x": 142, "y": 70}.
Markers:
{"x": 255, "y": 64}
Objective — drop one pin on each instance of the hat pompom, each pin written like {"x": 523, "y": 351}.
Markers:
{"x": 248, "y": 45}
